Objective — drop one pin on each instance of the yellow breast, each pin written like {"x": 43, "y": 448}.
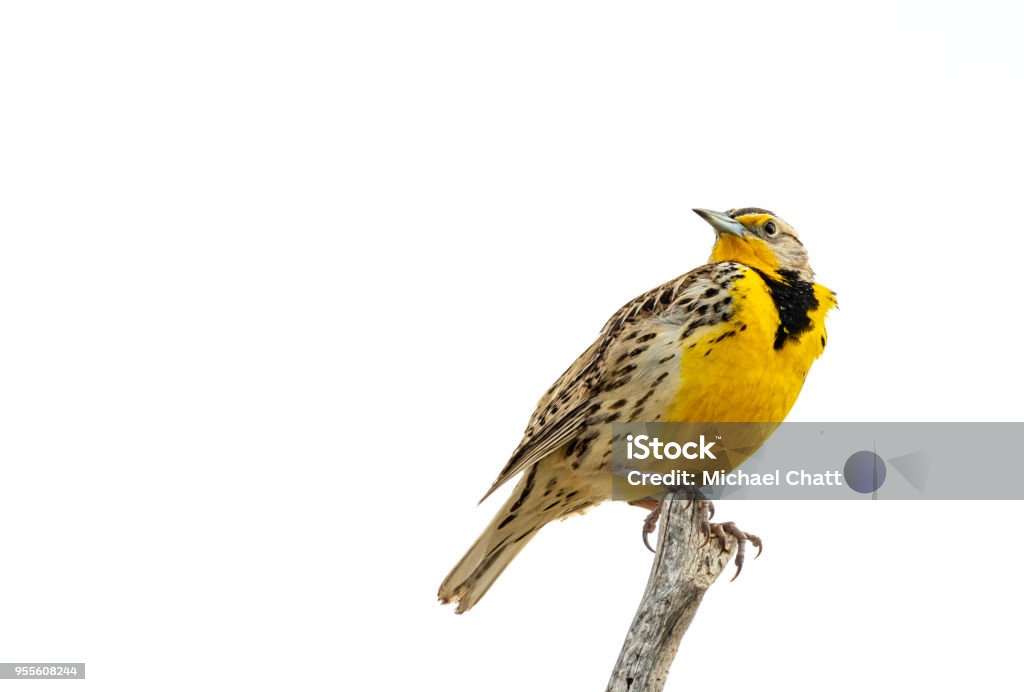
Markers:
{"x": 734, "y": 371}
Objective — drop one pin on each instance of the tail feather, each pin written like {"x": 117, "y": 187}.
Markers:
{"x": 508, "y": 533}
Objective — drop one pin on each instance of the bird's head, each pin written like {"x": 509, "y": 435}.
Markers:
{"x": 759, "y": 239}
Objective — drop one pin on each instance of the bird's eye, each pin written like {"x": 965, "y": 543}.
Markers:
{"x": 769, "y": 228}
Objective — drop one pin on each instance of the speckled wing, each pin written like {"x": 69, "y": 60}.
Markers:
{"x": 579, "y": 398}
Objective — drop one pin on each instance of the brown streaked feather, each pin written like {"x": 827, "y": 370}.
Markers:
{"x": 576, "y": 395}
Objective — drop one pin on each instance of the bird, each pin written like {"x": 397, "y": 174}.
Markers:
{"x": 729, "y": 341}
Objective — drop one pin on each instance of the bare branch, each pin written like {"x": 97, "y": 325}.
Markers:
{"x": 683, "y": 570}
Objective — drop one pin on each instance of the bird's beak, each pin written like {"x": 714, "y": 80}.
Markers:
{"x": 722, "y": 223}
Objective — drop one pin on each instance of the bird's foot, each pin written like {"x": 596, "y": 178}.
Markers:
{"x": 722, "y": 532}
{"x": 706, "y": 512}
{"x": 651, "y": 522}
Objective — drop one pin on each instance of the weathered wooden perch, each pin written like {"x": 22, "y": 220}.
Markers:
{"x": 683, "y": 570}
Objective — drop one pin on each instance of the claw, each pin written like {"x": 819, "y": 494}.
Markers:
{"x": 723, "y": 531}
{"x": 647, "y": 532}
{"x": 650, "y": 524}
{"x": 723, "y": 539}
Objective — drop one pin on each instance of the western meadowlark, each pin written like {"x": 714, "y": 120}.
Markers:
{"x": 730, "y": 341}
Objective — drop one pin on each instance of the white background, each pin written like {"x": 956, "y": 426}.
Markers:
{"x": 281, "y": 282}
